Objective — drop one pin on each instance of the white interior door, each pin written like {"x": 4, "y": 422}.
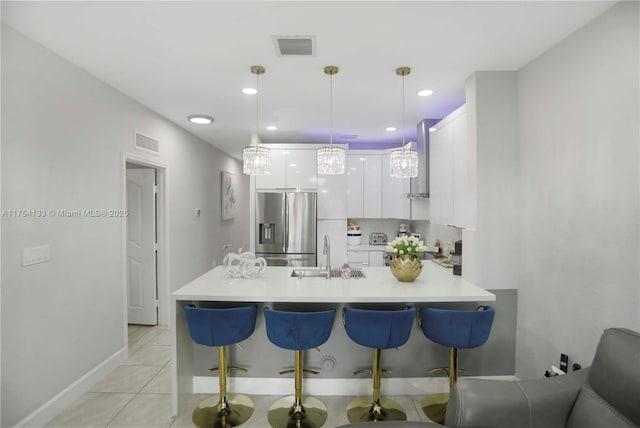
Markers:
{"x": 141, "y": 247}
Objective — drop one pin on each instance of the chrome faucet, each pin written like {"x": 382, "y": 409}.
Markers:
{"x": 327, "y": 252}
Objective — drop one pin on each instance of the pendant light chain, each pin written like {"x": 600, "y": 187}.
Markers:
{"x": 331, "y": 110}
{"x": 403, "y": 110}
{"x": 256, "y": 159}
{"x": 331, "y": 160}
{"x": 257, "y": 108}
{"x": 403, "y": 162}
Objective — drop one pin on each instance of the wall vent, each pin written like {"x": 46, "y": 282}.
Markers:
{"x": 147, "y": 144}
{"x": 295, "y": 45}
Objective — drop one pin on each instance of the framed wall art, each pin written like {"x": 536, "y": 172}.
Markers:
{"x": 229, "y": 195}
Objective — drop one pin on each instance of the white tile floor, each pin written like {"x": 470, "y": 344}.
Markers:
{"x": 138, "y": 393}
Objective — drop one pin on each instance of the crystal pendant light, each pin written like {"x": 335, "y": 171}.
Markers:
{"x": 331, "y": 160}
{"x": 256, "y": 160}
{"x": 403, "y": 162}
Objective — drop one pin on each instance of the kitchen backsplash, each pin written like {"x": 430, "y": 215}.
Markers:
{"x": 430, "y": 232}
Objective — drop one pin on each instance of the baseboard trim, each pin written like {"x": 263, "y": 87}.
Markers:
{"x": 334, "y": 387}
{"x": 64, "y": 398}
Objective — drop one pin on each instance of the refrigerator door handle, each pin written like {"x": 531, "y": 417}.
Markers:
{"x": 285, "y": 244}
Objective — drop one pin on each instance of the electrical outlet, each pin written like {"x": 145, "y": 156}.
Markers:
{"x": 34, "y": 255}
{"x": 564, "y": 362}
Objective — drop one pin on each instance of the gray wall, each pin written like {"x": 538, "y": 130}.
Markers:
{"x": 579, "y": 186}
{"x": 63, "y": 137}
{"x": 493, "y": 122}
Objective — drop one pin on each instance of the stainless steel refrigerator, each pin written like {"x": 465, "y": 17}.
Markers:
{"x": 286, "y": 228}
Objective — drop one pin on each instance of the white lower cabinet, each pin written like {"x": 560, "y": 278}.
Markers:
{"x": 363, "y": 258}
{"x": 376, "y": 258}
{"x": 358, "y": 258}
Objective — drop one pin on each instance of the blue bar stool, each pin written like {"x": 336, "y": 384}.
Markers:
{"x": 377, "y": 329}
{"x": 298, "y": 331}
{"x": 455, "y": 329}
{"x": 222, "y": 327}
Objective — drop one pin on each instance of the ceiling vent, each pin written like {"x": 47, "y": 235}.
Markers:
{"x": 147, "y": 144}
{"x": 295, "y": 45}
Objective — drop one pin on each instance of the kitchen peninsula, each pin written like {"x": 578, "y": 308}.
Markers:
{"x": 275, "y": 287}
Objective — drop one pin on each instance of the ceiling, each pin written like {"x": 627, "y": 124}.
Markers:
{"x": 179, "y": 58}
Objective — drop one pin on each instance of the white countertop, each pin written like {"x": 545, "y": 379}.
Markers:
{"x": 435, "y": 284}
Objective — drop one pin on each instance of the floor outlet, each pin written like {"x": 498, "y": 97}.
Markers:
{"x": 564, "y": 362}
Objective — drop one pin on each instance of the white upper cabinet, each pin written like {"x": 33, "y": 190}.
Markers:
{"x": 420, "y": 209}
{"x": 355, "y": 186}
{"x": 332, "y": 195}
{"x": 277, "y": 178}
{"x": 302, "y": 168}
{"x": 372, "y": 188}
{"x": 451, "y": 172}
{"x": 371, "y": 192}
{"x": 394, "y": 202}
{"x": 441, "y": 175}
{"x": 461, "y": 184}
{"x": 290, "y": 168}
{"x": 364, "y": 185}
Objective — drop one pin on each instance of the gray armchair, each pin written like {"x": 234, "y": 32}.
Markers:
{"x": 606, "y": 395}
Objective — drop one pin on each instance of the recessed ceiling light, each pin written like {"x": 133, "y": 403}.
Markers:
{"x": 249, "y": 91}
{"x": 200, "y": 119}
{"x": 272, "y": 128}
{"x": 390, "y": 129}
{"x": 425, "y": 93}
{"x": 432, "y": 129}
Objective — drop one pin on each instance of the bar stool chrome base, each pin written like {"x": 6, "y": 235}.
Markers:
{"x": 435, "y": 407}
{"x": 212, "y": 413}
{"x": 367, "y": 409}
{"x": 287, "y": 413}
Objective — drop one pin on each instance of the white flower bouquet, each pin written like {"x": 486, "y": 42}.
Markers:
{"x": 409, "y": 245}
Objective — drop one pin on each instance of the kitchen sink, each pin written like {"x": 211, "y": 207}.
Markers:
{"x": 322, "y": 273}
{"x": 309, "y": 273}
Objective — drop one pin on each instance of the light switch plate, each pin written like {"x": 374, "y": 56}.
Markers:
{"x": 34, "y": 255}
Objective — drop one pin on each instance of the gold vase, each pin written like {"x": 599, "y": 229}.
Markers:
{"x": 405, "y": 267}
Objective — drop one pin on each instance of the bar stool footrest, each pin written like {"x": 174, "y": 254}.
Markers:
{"x": 370, "y": 371}
{"x": 289, "y": 371}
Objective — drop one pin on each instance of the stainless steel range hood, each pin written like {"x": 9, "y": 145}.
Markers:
{"x": 420, "y": 184}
